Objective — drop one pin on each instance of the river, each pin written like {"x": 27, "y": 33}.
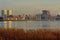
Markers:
{"x": 26, "y": 25}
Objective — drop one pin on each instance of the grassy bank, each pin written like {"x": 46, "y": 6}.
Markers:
{"x": 20, "y": 34}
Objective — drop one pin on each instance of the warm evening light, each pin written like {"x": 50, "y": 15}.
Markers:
{"x": 29, "y": 19}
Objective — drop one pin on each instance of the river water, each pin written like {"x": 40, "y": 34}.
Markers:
{"x": 26, "y": 25}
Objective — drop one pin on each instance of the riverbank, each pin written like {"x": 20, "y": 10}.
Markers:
{"x": 20, "y": 34}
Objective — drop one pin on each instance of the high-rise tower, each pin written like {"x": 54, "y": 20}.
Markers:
{"x": 9, "y": 12}
{"x": 4, "y": 12}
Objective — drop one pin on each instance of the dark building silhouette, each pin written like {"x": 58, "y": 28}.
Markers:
{"x": 45, "y": 15}
{"x": 26, "y": 17}
{"x": 58, "y": 17}
{"x": 1, "y": 18}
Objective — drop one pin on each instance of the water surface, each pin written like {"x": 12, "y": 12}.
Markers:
{"x": 30, "y": 24}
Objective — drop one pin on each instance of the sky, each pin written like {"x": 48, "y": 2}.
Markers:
{"x": 30, "y": 6}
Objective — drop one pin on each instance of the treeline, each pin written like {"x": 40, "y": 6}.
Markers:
{"x": 20, "y": 34}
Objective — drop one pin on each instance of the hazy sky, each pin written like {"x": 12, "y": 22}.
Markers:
{"x": 30, "y": 6}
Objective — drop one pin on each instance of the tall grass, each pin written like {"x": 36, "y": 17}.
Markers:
{"x": 20, "y": 34}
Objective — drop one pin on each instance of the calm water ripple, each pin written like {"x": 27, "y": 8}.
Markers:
{"x": 30, "y": 24}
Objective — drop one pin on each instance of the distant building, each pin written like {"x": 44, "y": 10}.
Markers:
{"x": 58, "y": 17}
{"x": 9, "y": 12}
{"x": 1, "y": 18}
{"x": 37, "y": 17}
{"x": 53, "y": 18}
{"x": 45, "y": 15}
{"x": 26, "y": 17}
{"x": 6, "y": 12}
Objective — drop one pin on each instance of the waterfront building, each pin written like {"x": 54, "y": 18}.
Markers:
{"x": 1, "y": 18}
{"x": 52, "y": 18}
{"x": 30, "y": 17}
{"x": 45, "y": 15}
{"x": 37, "y": 17}
{"x": 4, "y": 12}
{"x": 26, "y": 17}
{"x": 58, "y": 17}
{"x": 9, "y": 12}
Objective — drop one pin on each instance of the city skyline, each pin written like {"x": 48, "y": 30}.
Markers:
{"x": 30, "y": 6}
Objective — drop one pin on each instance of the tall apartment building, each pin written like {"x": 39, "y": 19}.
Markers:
{"x": 6, "y": 12}
{"x": 9, "y": 12}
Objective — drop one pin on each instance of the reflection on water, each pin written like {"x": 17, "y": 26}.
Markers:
{"x": 10, "y": 24}
{"x": 45, "y": 24}
{"x": 31, "y": 24}
{"x": 7, "y": 24}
